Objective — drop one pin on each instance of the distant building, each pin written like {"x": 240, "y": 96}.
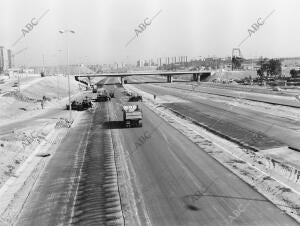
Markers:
{"x": 159, "y": 62}
{"x": 140, "y": 63}
{"x": 9, "y": 55}
{"x": 5, "y": 59}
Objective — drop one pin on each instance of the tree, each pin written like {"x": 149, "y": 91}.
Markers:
{"x": 272, "y": 67}
{"x": 236, "y": 62}
{"x": 294, "y": 73}
{"x": 260, "y": 73}
{"x": 263, "y": 63}
{"x": 275, "y": 67}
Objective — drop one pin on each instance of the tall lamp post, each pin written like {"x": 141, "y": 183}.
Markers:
{"x": 67, "y": 32}
{"x": 58, "y": 77}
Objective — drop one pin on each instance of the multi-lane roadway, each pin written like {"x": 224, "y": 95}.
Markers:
{"x": 164, "y": 169}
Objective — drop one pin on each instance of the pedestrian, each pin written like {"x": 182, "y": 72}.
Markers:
{"x": 154, "y": 96}
{"x": 42, "y": 103}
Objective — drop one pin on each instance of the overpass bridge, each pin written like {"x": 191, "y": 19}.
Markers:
{"x": 168, "y": 74}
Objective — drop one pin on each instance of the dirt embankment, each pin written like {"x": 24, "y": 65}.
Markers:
{"x": 16, "y": 105}
{"x": 19, "y": 142}
{"x": 16, "y": 146}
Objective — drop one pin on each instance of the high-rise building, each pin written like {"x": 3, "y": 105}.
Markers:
{"x": 167, "y": 60}
{"x": 2, "y": 54}
{"x": 140, "y": 63}
{"x": 5, "y": 59}
{"x": 9, "y": 55}
{"x": 159, "y": 63}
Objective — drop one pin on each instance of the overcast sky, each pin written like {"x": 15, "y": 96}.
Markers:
{"x": 182, "y": 28}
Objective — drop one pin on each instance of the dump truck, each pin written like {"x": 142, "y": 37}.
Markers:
{"x": 132, "y": 116}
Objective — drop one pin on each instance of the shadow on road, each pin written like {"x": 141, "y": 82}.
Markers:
{"x": 114, "y": 125}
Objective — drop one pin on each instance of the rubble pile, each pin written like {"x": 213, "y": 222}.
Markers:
{"x": 63, "y": 123}
{"x": 28, "y": 137}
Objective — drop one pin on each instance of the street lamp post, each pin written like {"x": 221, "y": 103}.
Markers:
{"x": 58, "y": 78}
{"x": 66, "y": 32}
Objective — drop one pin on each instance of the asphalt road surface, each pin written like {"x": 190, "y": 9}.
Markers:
{"x": 167, "y": 168}
{"x": 254, "y": 128}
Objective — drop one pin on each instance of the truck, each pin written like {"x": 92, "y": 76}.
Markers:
{"x": 80, "y": 106}
{"x": 132, "y": 116}
{"x": 135, "y": 98}
{"x": 102, "y": 98}
{"x": 102, "y": 95}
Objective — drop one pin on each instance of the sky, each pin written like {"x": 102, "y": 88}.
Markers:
{"x": 103, "y": 28}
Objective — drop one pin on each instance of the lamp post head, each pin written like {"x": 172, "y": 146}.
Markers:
{"x": 66, "y": 31}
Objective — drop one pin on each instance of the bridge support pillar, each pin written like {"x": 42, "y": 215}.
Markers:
{"x": 196, "y": 77}
{"x": 169, "y": 78}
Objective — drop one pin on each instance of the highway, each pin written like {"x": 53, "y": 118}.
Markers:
{"x": 255, "y": 128}
{"x": 164, "y": 170}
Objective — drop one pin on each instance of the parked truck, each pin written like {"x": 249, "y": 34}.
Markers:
{"x": 80, "y": 105}
{"x": 132, "y": 116}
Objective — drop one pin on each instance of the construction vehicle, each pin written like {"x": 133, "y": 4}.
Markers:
{"x": 80, "y": 106}
{"x": 132, "y": 116}
{"x": 102, "y": 95}
{"x": 86, "y": 103}
{"x": 102, "y": 98}
{"x": 135, "y": 98}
